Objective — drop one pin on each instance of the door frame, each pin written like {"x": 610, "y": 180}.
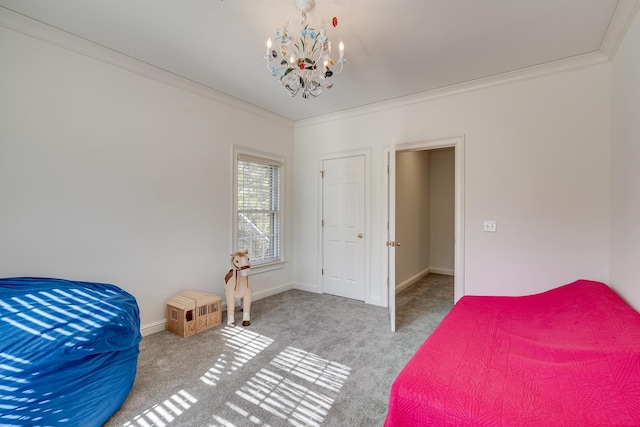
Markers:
{"x": 458, "y": 144}
{"x": 367, "y": 216}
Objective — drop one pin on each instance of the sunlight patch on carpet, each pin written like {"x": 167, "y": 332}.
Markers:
{"x": 312, "y": 368}
{"x": 244, "y": 345}
{"x": 162, "y": 414}
{"x": 298, "y": 388}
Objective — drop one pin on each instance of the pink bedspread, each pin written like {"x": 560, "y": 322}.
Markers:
{"x": 566, "y": 357}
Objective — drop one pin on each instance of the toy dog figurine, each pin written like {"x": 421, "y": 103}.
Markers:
{"x": 237, "y": 287}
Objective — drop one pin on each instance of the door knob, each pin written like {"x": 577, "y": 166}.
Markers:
{"x": 360, "y": 236}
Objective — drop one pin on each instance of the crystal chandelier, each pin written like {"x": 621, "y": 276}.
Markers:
{"x": 301, "y": 60}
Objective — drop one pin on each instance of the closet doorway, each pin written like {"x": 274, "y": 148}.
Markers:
{"x": 425, "y": 196}
{"x": 425, "y": 212}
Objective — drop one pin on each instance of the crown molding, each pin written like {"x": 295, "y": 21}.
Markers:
{"x": 48, "y": 34}
{"x": 563, "y": 65}
{"x": 622, "y": 19}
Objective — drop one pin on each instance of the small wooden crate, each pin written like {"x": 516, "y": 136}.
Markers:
{"x": 208, "y": 309}
{"x": 181, "y": 315}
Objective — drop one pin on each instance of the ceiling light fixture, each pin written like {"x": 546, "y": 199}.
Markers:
{"x": 301, "y": 60}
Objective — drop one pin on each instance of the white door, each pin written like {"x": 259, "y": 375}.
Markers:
{"x": 343, "y": 219}
{"x": 391, "y": 235}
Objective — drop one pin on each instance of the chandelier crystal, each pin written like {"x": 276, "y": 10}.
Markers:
{"x": 301, "y": 59}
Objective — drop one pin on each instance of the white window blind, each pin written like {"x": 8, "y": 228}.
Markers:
{"x": 258, "y": 207}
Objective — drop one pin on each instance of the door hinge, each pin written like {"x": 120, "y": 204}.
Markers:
{"x": 322, "y": 272}
{"x": 388, "y": 168}
{"x": 321, "y": 174}
{"x": 322, "y": 222}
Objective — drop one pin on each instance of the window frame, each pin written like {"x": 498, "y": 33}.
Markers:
{"x": 238, "y": 152}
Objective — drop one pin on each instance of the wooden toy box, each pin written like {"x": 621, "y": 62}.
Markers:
{"x": 191, "y": 312}
{"x": 208, "y": 309}
{"x": 181, "y": 316}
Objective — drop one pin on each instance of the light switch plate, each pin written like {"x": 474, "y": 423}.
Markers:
{"x": 490, "y": 226}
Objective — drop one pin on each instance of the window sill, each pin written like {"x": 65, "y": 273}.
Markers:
{"x": 267, "y": 266}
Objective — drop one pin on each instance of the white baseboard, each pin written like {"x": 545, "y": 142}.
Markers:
{"x": 272, "y": 291}
{"x": 154, "y": 327}
{"x": 306, "y": 288}
{"x": 411, "y": 280}
{"x": 161, "y": 325}
{"x": 445, "y": 271}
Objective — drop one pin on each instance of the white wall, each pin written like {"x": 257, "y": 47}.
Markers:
{"x": 625, "y": 190}
{"x": 442, "y": 210}
{"x": 109, "y": 176}
{"x": 537, "y": 161}
{"x": 412, "y": 216}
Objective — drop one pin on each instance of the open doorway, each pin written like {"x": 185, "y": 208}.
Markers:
{"x": 425, "y": 227}
{"x": 441, "y": 261}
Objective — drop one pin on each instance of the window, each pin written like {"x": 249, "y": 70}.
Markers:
{"x": 258, "y": 206}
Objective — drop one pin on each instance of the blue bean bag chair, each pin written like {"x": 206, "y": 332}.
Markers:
{"x": 68, "y": 351}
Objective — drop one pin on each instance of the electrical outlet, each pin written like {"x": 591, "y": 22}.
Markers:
{"x": 490, "y": 226}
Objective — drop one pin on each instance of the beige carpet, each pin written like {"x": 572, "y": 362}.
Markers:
{"x": 306, "y": 360}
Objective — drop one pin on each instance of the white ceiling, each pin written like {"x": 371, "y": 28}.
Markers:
{"x": 395, "y": 48}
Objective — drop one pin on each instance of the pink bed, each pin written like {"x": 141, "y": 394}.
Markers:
{"x": 566, "y": 357}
